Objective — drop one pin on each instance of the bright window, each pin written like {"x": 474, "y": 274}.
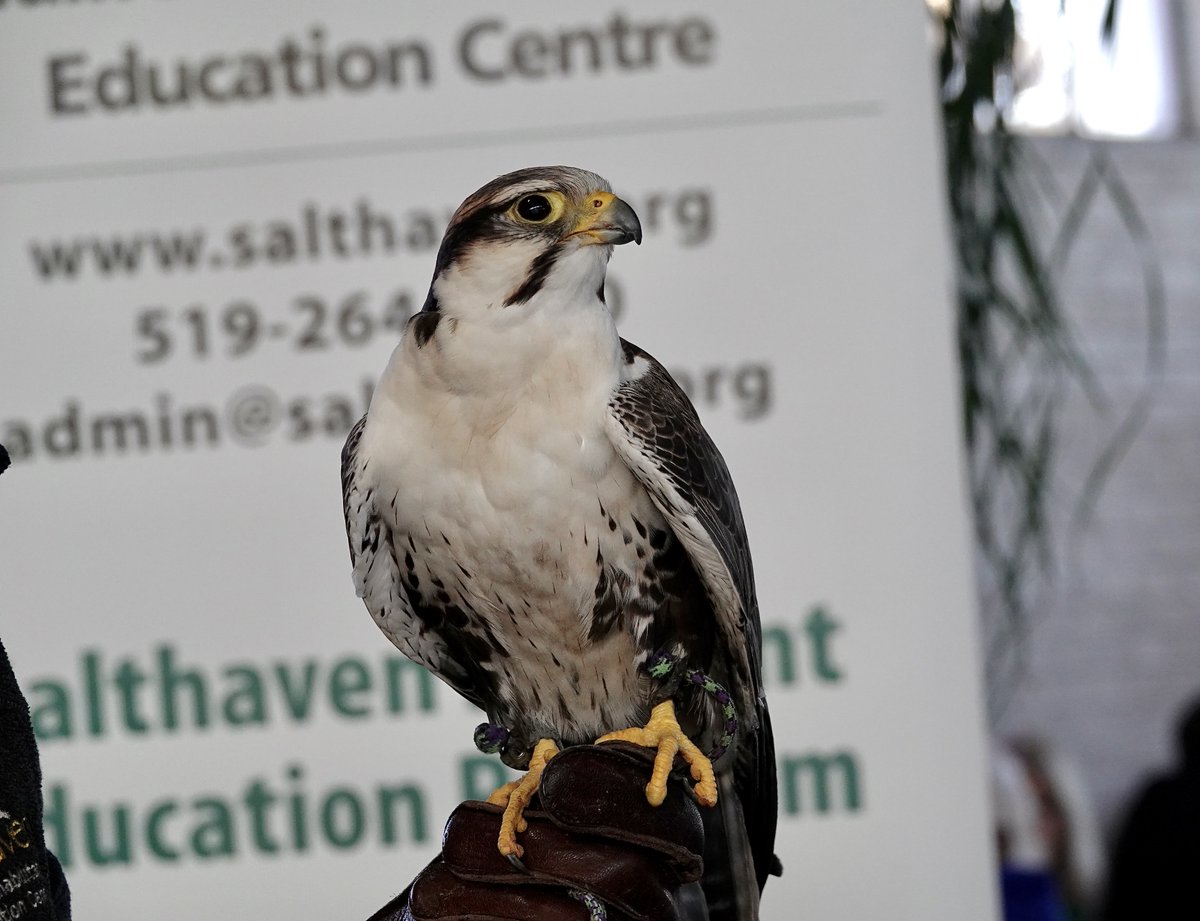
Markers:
{"x": 1068, "y": 77}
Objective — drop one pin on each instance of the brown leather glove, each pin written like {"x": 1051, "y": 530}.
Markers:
{"x": 592, "y": 837}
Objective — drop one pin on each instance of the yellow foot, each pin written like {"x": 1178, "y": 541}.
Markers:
{"x": 499, "y": 796}
{"x": 664, "y": 734}
{"x": 515, "y": 796}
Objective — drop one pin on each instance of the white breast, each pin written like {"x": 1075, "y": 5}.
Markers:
{"x": 490, "y": 450}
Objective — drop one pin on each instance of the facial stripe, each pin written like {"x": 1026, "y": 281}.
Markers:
{"x": 424, "y": 325}
{"x": 539, "y": 269}
{"x": 463, "y": 233}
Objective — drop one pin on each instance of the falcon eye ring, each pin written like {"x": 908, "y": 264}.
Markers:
{"x": 534, "y": 208}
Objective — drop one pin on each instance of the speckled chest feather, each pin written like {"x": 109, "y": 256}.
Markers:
{"x": 526, "y": 548}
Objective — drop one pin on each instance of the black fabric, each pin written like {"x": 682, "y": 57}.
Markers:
{"x": 32, "y": 885}
{"x": 1155, "y": 869}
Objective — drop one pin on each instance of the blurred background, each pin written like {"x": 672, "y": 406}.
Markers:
{"x": 1073, "y": 162}
{"x": 928, "y": 272}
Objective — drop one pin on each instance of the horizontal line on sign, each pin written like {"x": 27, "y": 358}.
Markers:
{"x": 369, "y": 148}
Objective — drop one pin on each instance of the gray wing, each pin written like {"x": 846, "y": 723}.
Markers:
{"x": 395, "y": 605}
{"x": 656, "y": 431}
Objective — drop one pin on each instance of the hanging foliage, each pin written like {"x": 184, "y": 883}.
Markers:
{"x": 1017, "y": 349}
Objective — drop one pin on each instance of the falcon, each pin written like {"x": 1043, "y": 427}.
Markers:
{"x": 536, "y": 515}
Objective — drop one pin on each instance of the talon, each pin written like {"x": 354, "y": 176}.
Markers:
{"x": 516, "y": 796}
{"x": 663, "y": 733}
{"x": 499, "y": 796}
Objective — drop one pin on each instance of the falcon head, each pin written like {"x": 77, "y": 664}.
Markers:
{"x": 547, "y": 229}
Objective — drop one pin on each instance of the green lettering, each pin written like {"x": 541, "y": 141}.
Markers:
{"x": 259, "y": 800}
{"x": 129, "y": 679}
{"x": 154, "y": 831}
{"x": 778, "y": 637}
{"x": 348, "y": 678}
{"x": 172, "y": 680}
{"x": 820, "y": 626}
{"x": 299, "y": 817}
{"x": 344, "y": 801}
{"x": 117, "y": 850}
{"x": 50, "y": 710}
{"x": 820, "y": 769}
{"x": 54, "y": 824}
{"x": 389, "y": 798}
{"x": 298, "y": 697}
{"x": 480, "y": 776}
{"x": 397, "y": 667}
{"x": 94, "y": 696}
{"x": 213, "y": 837}
{"x": 245, "y": 703}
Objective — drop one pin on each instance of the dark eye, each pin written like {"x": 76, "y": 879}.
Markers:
{"x": 534, "y": 208}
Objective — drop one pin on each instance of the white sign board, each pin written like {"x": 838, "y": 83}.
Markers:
{"x": 214, "y": 219}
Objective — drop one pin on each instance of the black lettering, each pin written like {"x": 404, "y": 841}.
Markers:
{"x": 339, "y": 416}
{"x": 467, "y": 50}
{"x": 424, "y": 232}
{"x": 650, "y": 211}
{"x": 116, "y": 87}
{"x": 317, "y": 57}
{"x": 253, "y": 79}
{"x": 356, "y": 68}
{"x": 312, "y": 231}
{"x": 694, "y": 41}
{"x": 240, "y": 243}
{"x": 372, "y": 225}
{"x": 529, "y": 55}
{"x": 590, "y": 42}
{"x": 337, "y": 233}
{"x": 289, "y": 57}
{"x": 206, "y": 88}
{"x": 18, "y": 439}
{"x": 300, "y": 413}
{"x": 398, "y": 54}
{"x": 161, "y": 95}
{"x": 61, "y": 84}
{"x": 752, "y": 384}
{"x": 281, "y": 242}
{"x": 619, "y": 30}
{"x": 295, "y": 67}
{"x": 61, "y": 435}
{"x": 120, "y": 427}
{"x": 693, "y": 210}
{"x": 197, "y": 417}
{"x": 165, "y": 428}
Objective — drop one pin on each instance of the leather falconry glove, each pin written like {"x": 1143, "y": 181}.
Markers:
{"x": 595, "y": 850}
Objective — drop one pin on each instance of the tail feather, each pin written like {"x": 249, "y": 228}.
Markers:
{"x": 739, "y": 842}
{"x": 758, "y": 791}
{"x": 729, "y": 881}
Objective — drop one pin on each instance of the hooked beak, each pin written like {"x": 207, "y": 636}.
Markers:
{"x": 607, "y": 219}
